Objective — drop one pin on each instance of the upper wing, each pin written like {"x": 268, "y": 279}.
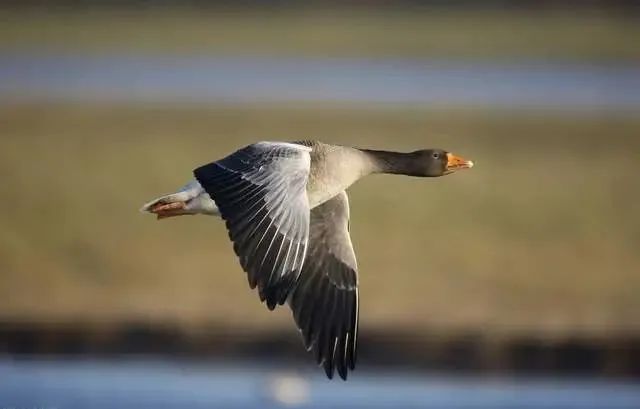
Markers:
{"x": 260, "y": 191}
{"x": 325, "y": 300}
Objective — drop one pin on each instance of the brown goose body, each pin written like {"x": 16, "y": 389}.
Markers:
{"x": 287, "y": 213}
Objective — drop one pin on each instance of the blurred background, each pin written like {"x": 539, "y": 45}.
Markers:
{"x": 516, "y": 284}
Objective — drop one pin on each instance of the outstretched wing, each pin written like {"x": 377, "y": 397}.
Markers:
{"x": 325, "y": 299}
{"x": 260, "y": 191}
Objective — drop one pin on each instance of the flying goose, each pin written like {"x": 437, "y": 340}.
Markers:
{"x": 287, "y": 214}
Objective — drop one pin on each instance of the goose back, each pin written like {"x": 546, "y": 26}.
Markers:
{"x": 333, "y": 169}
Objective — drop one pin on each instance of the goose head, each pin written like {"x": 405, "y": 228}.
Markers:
{"x": 438, "y": 162}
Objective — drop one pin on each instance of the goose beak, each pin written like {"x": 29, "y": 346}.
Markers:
{"x": 456, "y": 163}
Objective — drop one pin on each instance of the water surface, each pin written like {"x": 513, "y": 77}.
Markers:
{"x": 155, "y": 383}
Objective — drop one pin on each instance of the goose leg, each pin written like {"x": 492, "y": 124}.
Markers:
{"x": 191, "y": 199}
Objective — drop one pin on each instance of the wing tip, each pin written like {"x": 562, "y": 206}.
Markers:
{"x": 344, "y": 374}
{"x": 331, "y": 368}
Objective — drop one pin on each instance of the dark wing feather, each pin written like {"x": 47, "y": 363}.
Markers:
{"x": 325, "y": 299}
{"x": 260, "y": 191}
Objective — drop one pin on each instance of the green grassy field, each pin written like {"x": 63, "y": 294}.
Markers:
{"x": 491, "y": 34}
{"x": 541, "y": 237}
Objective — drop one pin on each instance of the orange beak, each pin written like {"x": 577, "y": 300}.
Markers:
{"x": 456, "y": 163}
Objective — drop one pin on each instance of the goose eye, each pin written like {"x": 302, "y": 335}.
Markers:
{"x": 436, "y": 155}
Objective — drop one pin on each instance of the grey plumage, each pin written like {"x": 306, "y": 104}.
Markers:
{"x": 287, "y": 214}
{"x": 325, "y": 299}
{"x": 262, "y": 193}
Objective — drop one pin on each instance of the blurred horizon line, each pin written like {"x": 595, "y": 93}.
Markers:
{"x": 463, "y": 351}
{"x": 29, "y": 76}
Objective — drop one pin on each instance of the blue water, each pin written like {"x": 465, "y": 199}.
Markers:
{"x": 222, "y": 79}
{"x": 83, "y": 384}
